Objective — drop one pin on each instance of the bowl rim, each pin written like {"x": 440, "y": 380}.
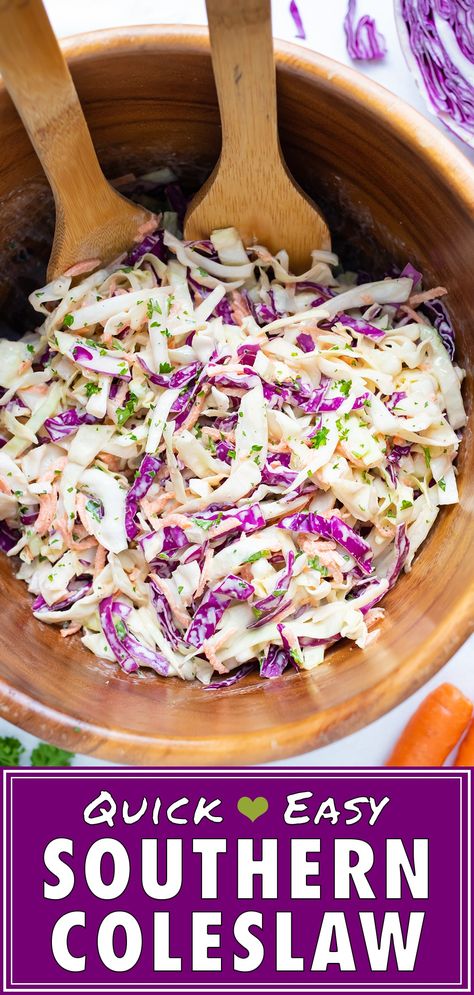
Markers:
{"x": 319, "y": 728}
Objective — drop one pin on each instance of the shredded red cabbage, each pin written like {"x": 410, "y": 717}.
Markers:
{"x": 364, "y": 41}
{"x": 275, "y": 661}
{"x": 213, "y": 606}
{"x": 8, "y": 537}
{"x": 235, "y": 676}
{"x": 332, "y": 528}
{"x": 294, "y": 11}
{"x": 447, "y": 86}
{"x": 152, "y": 244}
{"x": 146, "y": 474}
{"x": 67, "y": 422}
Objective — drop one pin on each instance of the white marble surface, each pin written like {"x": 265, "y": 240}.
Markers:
{"x": 323, "y": 24}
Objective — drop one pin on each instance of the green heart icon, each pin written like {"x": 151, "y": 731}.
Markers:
{"x": 252, "y": 808}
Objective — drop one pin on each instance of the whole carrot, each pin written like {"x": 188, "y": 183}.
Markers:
{"x": 465, "y": 754}
{"x": 433, "y": 730}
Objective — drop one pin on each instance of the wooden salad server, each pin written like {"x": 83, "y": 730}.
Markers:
{"x": 93, "y": 222}
{"x": 251, "y": 187}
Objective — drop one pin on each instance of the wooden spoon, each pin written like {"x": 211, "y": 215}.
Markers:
{"x": 93, "y": 222}
{"x": 251, "y": 186}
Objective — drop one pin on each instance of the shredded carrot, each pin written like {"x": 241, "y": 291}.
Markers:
{"x": 180, "y": 614}
{"x": 48, "y": 504}
{"x": 197, "y": 409}
{"x": 210, "y": 647}
{"x": 433, "y": 730}
{"x": 71, "y": 629}
{"x": 426, "y": 295}
{"x": 412, "y": 314}
{"x": 113, "y": 462}
{"x": 99, "y": 562}
{"x": 239, "y": 307}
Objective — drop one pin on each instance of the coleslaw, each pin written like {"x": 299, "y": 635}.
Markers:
{"x": 209, "y": 464}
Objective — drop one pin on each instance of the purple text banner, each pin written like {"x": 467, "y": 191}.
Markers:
{"x": 261, "y": 880}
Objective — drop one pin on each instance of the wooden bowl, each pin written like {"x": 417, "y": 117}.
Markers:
{"x": 393, "y": 190}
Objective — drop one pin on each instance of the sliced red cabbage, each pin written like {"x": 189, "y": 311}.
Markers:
{"x": 280, "y": 591}
{"x": 397, "y": 452}
{"x": 294, "y": 11}
{"x": 245, "y": 380}
{"x": 129, "y": 652}
{"x": 286, "y": 645}
{"x": 144, "y": 656}
{"x": 442, "y": 71}
{"x": 8, "y": 537}
{"x": 360, "y": 401}
{"x": 250, "y": 518}
{"x": 76, "y": 593}
{"x": 402, "y": 549}
{"x": 270, "y": 616}
{"x": 222, "y": 309}
{"x": 247, "y": 352}
{"x": 146, "y": 474}
{"x": 165, "y": 616}
{"x": 224, "y": 451}
{"x": 396, "y": 397}
{"x": 305, "y": 342}
{"x": 185, "y": 400}
{"x": 278, "y": 478}
{"x": 413, "y": 274}
{"x": 30, "y": 516}
{"x": 277, "y": 394}
{"x": 325, "y": 292}
{"x": 234, "y": 676}
{"x": 174, "y": 538}
{"x": 460, "y": 16}
{"x": 438, "y": 316}
{"x": 360, "y": 326}
{"x": 110, "y": 366}
{"x": 364, "y": 41}
{"x": 153, "y": 244}
{"x": 275, "y": 661}
{"x": 67, "y": 422}
{"x": 176, "y": 380}
{"x": 332, "y": 528}
{"x": 213, "y": 606}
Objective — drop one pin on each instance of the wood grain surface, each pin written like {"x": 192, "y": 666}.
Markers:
{"x": 92, "y": 220}
{"x": 251, "y": 181}
{"x": 393, "y": 189}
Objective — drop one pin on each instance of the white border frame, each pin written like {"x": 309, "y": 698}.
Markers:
{"x": 254, "y": 773}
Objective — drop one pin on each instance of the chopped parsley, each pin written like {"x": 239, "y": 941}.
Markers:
{"x": 10, "y": 751}
{"x": 121, "y": 629}
{"x": 442, "y": 484}
{"x": 92, "y": 388}
{"x": 68, "y": 320}
{"x": 343, "y": 432}
{"x": 152, "y": 308}
{"x": 320, "y": 438}
{"x": 406, "y": 504}
{"x": 262, "y": 554}
{"x": 315, "y": 563}
{"x": 123, "y": 414}
{"x": 46, "y": 755}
